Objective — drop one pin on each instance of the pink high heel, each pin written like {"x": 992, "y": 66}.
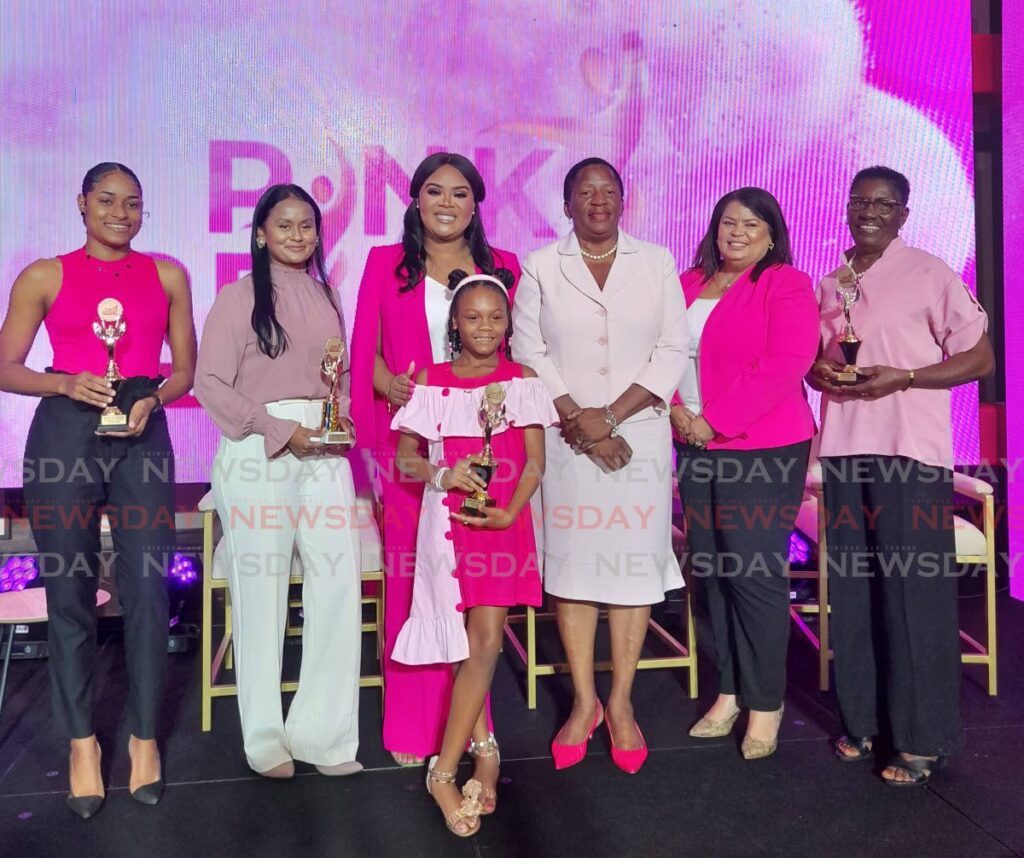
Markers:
{"x": 569, "y": 755}
{"x": 629, "y": 760}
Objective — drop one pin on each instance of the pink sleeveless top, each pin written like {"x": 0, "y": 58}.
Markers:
{"x": 86, "y": 281}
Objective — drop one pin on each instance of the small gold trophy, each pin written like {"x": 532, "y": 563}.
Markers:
{"x": 491, "y": 414}
{"x": 110, "y": 327}
{"x": 848, "y": 293}
{"x": 331, "y": 431}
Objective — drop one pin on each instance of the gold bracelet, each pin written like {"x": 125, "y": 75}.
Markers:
{"x": 910, "y": 382}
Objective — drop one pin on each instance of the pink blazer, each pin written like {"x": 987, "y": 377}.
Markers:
{"x": 399, "y": 319}
{"x": 757, "y": 346}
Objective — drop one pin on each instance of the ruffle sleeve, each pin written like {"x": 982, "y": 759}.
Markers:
{"x": 434, "y": 412}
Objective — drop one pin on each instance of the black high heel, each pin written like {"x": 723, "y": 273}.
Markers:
{"x": 148, "y": 794}
{"x": 85, "y": 806}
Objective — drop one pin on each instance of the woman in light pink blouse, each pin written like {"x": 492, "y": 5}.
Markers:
{"x": 887, "y": 458}
{"x": 278, "y": 491}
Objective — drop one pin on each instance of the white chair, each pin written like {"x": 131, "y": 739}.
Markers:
{"x": 215, "y": 579}
{"x": 21, "y": 607}
{"x": 974, "y": 546}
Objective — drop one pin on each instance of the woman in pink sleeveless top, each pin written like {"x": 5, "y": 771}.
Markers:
{"x": 400, "y": 328}
{"x": 132, "y": 468}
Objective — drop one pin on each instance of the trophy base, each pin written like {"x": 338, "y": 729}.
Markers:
{"x": 474, "y": 507}
{"x": 112, "y": 420}
{"x": 849, "y": 375}
{"x": 333, "y": 439}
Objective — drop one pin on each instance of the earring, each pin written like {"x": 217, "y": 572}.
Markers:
{"x": 261, "y": 242}
{"x": 771, "y": 245}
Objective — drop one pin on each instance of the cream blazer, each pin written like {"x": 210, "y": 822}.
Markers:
{"x": 593, "y": 343}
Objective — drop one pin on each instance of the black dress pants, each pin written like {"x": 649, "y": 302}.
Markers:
{"x": 72, "y": 476}
{"x": 741, "y": 506}
{"x": 893, "y": 584}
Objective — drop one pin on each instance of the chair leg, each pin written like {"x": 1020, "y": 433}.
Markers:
{"x": 531, "y": 658}
{"x": 691, "y": 646}
{"x": 207, "y": 624}
{"x": 824, "y": 636}
{"x": 9, "y": 647}
{"x": 229, "y": 655}
{"x": 990, "y": 595}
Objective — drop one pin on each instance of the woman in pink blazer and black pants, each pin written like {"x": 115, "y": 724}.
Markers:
{"x": 747, "y": 425}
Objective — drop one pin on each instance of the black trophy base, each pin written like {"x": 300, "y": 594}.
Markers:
{"x": 112, "y": 420}
{"x": 473, "y": 507}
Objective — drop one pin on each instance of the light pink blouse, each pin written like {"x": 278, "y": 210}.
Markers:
{"x": 235, "y": 380}
{"x": 913, "y": 312}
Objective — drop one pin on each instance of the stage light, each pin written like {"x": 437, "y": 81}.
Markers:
{"x": 183, "y": 570}
{"x": 17, "y": 573}
{"x": 799, "y": 549}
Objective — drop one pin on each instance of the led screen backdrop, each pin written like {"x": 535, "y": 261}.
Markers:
{"x": 210, "y": 101}
{"x": 1013, "y": 206}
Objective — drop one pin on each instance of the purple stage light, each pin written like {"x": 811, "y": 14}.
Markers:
{"x": 799, "y": 549}
{"x": 17, "y": 573}
{"x": 183, "y": 570}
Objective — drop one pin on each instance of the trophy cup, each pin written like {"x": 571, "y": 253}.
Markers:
{"x": 331, "y": 431}
{"x": 848, "y": 293}
{"x": 110, "y": 327}
{"x": 491, "y": 414}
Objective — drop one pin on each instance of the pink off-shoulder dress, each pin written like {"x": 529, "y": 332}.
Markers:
{"x": 459, "y": 567}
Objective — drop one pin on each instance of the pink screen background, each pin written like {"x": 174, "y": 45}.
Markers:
{"x": 210, "y": 102}
{"x": 1013, "y": 223}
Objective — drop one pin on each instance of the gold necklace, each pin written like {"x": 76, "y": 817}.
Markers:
{"x": 725, "y": 287}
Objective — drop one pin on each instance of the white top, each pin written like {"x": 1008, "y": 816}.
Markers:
{"x": 438, "y": 300}
{"x": 696, "y": 318}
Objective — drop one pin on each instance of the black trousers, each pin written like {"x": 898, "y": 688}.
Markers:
{"x": 893, "y": 583}
{"x": 740, "y": 510}
{"x": 72, "y": 476}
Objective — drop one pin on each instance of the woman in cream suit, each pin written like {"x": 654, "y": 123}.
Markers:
{"x": 600, "y": 317}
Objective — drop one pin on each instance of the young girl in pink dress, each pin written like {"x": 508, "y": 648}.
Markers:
{"x": 471, "y": 567}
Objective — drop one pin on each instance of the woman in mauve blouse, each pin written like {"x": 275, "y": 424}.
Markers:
{"x": 743, "y": 465}
{"x": 278, "y": 491}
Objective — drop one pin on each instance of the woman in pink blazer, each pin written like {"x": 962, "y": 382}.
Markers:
{"x": 400, "y": 328}
{"x": 747, "y": 425}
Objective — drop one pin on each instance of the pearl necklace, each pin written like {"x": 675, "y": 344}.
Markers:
{"x": 597, "y": 257}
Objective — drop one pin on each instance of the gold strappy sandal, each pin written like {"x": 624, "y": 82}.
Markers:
{"x": 468, "y": 811}
{"x": 487, "y": 748}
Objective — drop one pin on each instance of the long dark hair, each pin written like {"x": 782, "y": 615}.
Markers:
{"x": 767, "y": 208}
{"x": 414, "y": 258}
{"x": 272, "y": 337}
{"x": 454, "y": 338}
{"x": 105, "y": 168}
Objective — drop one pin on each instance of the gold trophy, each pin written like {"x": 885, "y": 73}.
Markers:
{"x": 110, "y": 327}
{"x": 331, "y": 430}
{"x": 491, "y": 414}
{"x": 848, "y": 293}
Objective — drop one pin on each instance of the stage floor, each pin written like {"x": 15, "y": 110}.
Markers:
{"x": 693, "y": 797}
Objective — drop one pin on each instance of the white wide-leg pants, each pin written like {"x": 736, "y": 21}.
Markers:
{"x": 269, "y": 507}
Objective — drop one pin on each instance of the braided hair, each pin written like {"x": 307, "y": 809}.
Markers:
{"x": 454, "y": 338}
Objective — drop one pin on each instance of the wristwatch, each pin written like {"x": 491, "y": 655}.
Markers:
{"x": 159, "y": 402}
